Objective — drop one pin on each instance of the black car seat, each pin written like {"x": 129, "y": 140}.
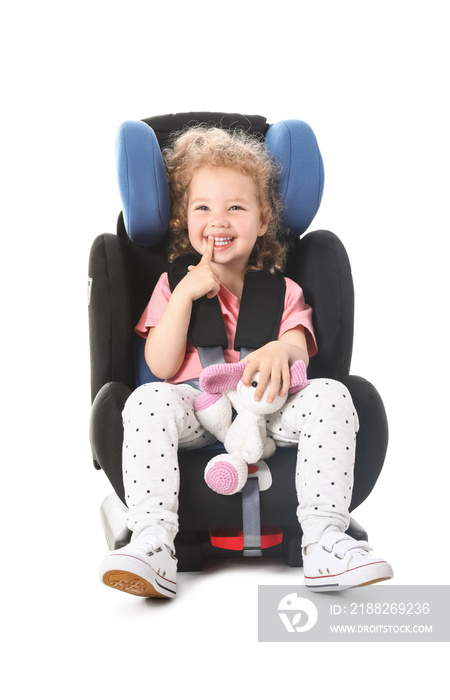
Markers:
{"x": 123, "y": 270}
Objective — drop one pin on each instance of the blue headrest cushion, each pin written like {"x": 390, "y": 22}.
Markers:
{"x": 142, "y": 183}
{"x": 145, "y": 193}
{"x": 293, "y": 145}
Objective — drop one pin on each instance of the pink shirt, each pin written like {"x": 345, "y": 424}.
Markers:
{"x": 296, "y": 313}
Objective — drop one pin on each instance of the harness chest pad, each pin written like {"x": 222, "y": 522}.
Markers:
{"x": 261, "y": 309}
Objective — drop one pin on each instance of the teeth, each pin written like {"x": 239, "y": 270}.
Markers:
{"x": 223, "y": 241}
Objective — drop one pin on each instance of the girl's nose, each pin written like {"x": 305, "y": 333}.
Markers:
{"x": 220, "y": 221}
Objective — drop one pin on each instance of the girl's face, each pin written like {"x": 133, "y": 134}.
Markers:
{"x": 223, "y": 203}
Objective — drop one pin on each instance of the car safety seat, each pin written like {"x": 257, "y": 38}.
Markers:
{"x": 123, "y": 270}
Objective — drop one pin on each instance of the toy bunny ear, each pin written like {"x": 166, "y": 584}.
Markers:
{"x": 298, "y": 377}
{"x": 216, "y": 379}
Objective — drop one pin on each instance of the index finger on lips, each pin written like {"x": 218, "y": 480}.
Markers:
{"x": 208, "y": 252}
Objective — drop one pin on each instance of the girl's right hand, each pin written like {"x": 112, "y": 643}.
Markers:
{"x": 202, "y": 278}
{"x": 165, "y": 348}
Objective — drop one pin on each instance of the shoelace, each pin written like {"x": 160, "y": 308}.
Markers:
{"x": 148, "y": 546}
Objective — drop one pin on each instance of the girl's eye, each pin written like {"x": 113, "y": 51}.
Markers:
{"x": 235, "y": 207}
{"x": 202, "y": 207}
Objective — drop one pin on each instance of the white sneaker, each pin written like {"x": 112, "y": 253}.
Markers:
{"x": 338, "y": 562}
{"x": 141, "y": 569}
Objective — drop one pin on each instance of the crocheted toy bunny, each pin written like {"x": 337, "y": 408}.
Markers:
{"x": 245, "y": 438}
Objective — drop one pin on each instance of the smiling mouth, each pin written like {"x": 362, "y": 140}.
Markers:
{"x": 219, "y": 242}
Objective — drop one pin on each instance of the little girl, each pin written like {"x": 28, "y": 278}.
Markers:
{"x": 225, "y": 208}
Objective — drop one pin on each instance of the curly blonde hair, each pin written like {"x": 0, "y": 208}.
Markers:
{"x": 214, "y": 147}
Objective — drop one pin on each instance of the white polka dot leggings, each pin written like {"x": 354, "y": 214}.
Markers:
{"x": 159, "y": 420}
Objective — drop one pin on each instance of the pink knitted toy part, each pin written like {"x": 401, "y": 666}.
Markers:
{"x": 216, "y": 379}
{"x": 298, "y": 377}
{"x": 206, "y": 400}
{"x": 222, "y": 478}
{"x": 226, "y": 474}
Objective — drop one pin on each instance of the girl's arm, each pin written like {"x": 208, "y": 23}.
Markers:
{"x": 165, "y": 347}
{"x": 273, "y": 361}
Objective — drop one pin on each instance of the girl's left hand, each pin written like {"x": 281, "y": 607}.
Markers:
{"x": 272, "y": 362}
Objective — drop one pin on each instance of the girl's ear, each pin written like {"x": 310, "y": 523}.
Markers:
{"x": 216, "y": 379}
{"x": 266, "y": 217}
{"x": 262, "y": 230}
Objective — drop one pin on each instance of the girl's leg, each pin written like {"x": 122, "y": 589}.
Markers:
{"x": 323, "y": 421}
{"x": 158, "y": 420}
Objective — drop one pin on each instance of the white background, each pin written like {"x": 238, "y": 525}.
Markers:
{"x": 372, "y": 80}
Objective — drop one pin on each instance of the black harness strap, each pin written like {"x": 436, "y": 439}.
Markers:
{"x": 260, "y": 313}
{"x": 206, "y": 328}
{"x": 261, "y": 309}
